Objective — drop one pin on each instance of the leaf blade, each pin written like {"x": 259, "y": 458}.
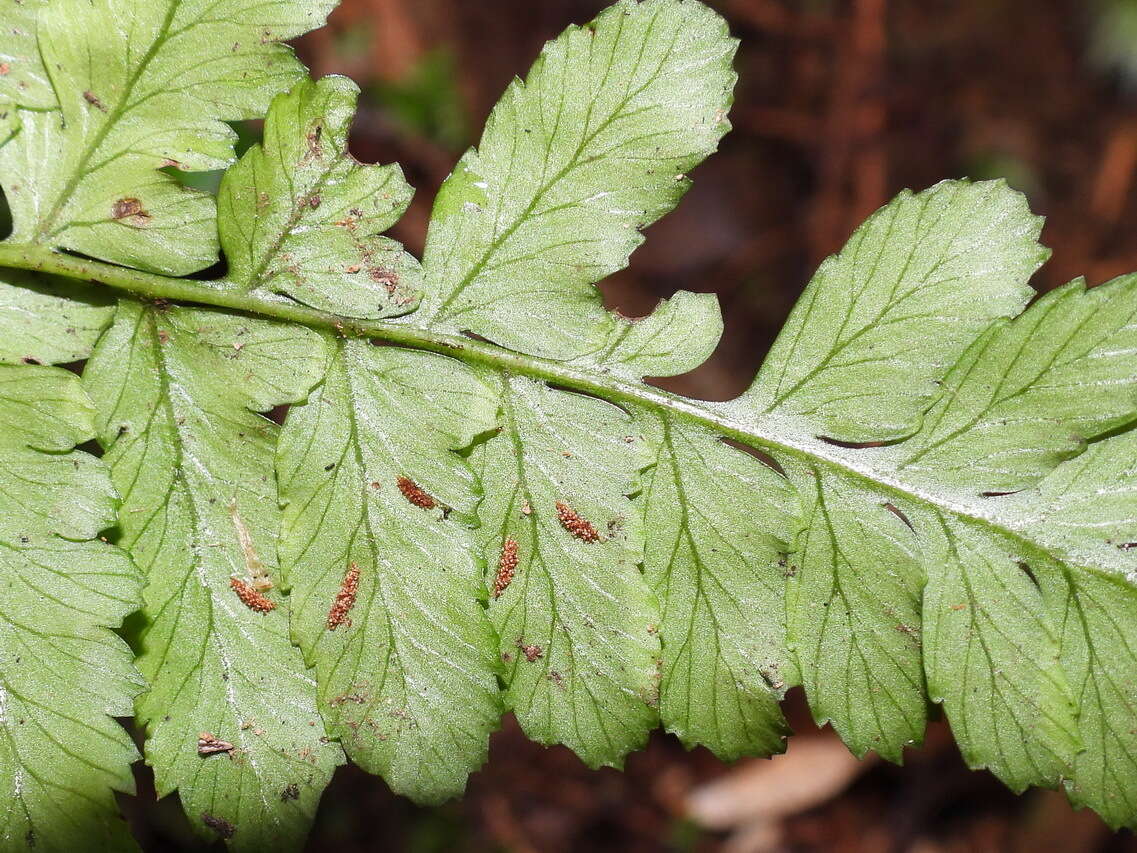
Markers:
{"x": 64, "y": 590}
{"x": 407, "y": 669}
{"x": 591, "y": 148}
{"x": 178, "y": 390}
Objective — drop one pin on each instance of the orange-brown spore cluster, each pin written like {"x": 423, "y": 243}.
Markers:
{"x": 506, "y": 567}
{"x": 345, "y": 599}
{"x": 414, "y": 493}
{"x": 579, "y": 527}
{"x": 250, "y": 597}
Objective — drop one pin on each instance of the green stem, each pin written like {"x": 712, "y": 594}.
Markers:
{"x": 222, "y": 294}
{"x": 723, "y": 419}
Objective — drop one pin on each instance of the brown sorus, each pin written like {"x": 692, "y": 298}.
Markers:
{"x": 506, "y": 567}
{"x": 345, "y": 599}
{"x": 414, "y": 493}
{"x": 208, "y": 744}
{"x": 94, "y": 101}
{"x": 130, "y": 208}
{"x": 579, "y": 527}
{"x": 531, "y": 650}
{"x": 218, "y": 824}
{"x": 250, "y": 597}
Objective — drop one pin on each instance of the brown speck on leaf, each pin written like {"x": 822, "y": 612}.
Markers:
{"x": 219, "y": 825}
{"x": 531, "y": 650}
{"x": 506, "y": 567}
{"x": 354, "y": 268}
{"x": 345, "y": 599}
{"x": 250, "y": 597}
{"x": 163, "y": 336}
{"x": 959, "y": 607}
{"x": 526, "y": 509}
{"x": 314, "y": 147}
{"x": 375, "y": 484}
{"x": 91, "y": 99}
{"x": 208, "y": 744}
{"x": 386, "y": 277}
{"x": 130, "y": 209}
{"x": 290, "y": 792}
{"x": 314, "y": 201}
{"x": 414, "y": 493}
{"x": 579, "y": 527}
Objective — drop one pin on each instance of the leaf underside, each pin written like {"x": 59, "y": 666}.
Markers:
{"x": 927, "y": 494}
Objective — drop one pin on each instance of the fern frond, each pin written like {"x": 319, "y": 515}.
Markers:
{"x": 927, "y": 494}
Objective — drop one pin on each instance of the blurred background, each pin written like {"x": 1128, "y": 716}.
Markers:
{"x": 840, "y": 104}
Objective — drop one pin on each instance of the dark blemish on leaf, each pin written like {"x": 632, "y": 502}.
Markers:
{"x": 579, "y": 527}
{"x": 345, "y": 599}
{"x": 375, "y": 484}
{"x": 314, "y": 201}
{"x": 314, "y": 147}
{"x": 556, "y": 678}
{"x": 895, "y": 510}
{"x": 250, "y": 597}
{"x": 353, "y": 269}
{"x": 91, "y": 99}
{"x": 290, "y": 792}
{"x": 27, "y": 359}
{"x": 330, "y": 466}
{"x": 1026, "y": 570}
{"x": 219, "y": 825}
{"x": 772, "y": 677}
{"x": 507, "y": 657}
{"x": 131, "y": 210}
{"x": 836, "y": 442}
{"x": 1127, "y": 546}
{"x": 415, "y": 494}
{"x": 209, "y": 744}
{"x": 911, "y": 630}
{"x": 386, "y": 277}
{"x": 360, "y": 696}
{"x": 506, "y": 567}
{"x": 163, "y": 336}
{"x": 531, "y": 650}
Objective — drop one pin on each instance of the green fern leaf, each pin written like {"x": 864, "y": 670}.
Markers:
{"x": 138, "y": 85}
{"x": 939, "y": 504}
{"x": 63, "y": 673}
{"x": 591, "y": 148}
{"x": 178, "y": 391}
{"x": 377, "y": 547}
{"x": 49, "y": 320}
{"x": 300, "y": 216}
{"x": 24, "y": 81}
{"x": 578, "y": 625}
